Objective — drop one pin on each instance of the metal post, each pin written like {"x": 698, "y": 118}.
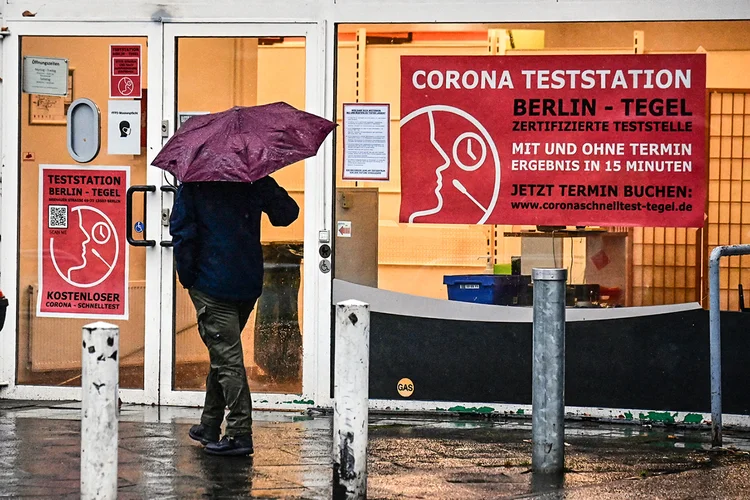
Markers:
{"x": 548, "y": 371}
{"x": 715, "y": 333}
{"x": 715, "y": 344}
{"x": 99, "y": 384}
{"x": 350, "y": 392}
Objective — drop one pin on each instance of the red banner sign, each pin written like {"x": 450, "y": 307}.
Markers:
{"x": 83, "y": 254}
{"x": 125, "y": 71}
{"x": 608, "y": 140}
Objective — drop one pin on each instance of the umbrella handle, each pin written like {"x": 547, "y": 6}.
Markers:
{"x": 129, "y": 216}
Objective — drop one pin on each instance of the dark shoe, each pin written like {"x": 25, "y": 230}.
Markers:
{"x": 203, "y": 434}
{"x": 232, "y": 446}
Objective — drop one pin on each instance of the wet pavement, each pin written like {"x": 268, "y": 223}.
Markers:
{"x": 409, "y": 457}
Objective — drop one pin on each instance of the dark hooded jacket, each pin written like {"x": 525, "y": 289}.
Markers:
{"x": 215, "y": 228}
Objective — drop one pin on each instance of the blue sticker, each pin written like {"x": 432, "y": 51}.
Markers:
{"x": 139, "y": 226}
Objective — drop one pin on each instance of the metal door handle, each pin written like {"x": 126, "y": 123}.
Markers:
{"x": 129, "y": 216}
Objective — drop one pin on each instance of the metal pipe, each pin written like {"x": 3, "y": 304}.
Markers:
{"x": 29, "y": 327}
{"x": 715, "y": 333}
{"x": 548, "y": 371}
{"x": 99, "y": 385}
{"x": 350, "y": 393}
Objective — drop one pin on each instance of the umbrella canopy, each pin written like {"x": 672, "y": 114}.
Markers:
{"x": 242, "y": 144}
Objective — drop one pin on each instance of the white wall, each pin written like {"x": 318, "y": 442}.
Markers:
{"x": 381, "y": 11}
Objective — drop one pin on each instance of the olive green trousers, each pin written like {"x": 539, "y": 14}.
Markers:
{"x": 220, "y": 324}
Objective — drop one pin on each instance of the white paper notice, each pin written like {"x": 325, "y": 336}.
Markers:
{"x": 45, "y": 75}
{"x": 366, "y": 142}
{"x": 184, "y": 116}
{"x": 124, "y": 128}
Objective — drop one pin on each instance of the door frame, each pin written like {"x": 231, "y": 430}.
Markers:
{"x": 317, "y": 188}
{"x": 11, "y": 209}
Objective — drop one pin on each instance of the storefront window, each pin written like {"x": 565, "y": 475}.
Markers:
{"x": 608, "y": 266}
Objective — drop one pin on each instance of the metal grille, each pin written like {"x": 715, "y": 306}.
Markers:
{"x": 666, "y": 265}
{"x": 729, "y": 188}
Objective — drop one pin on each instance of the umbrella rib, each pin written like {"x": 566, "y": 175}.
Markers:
{"x": 261, "y": 139}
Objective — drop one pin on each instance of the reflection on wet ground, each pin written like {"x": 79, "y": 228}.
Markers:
{"x": 454, "y": 459}
{"x": 408, "y": 458}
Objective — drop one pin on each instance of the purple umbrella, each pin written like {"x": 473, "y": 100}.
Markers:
{"x": 242, "y": 144}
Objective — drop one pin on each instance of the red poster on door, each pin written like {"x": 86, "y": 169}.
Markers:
{"x": 612, "y": 140}
{"x": 125, "y": 71}
{"x": 83, "y": 254}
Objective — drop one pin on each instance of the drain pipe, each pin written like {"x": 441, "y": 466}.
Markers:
{"x": 350, "y": 400}
{"x": 715, "y": 333}
{"x": 99, "y": 435}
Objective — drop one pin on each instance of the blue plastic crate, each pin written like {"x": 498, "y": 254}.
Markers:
{"x": 495, "y": 289}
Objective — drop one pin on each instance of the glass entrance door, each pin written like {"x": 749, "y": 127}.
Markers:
{"x": 67, "y": 262}
{"x": 175, "y": 71}
{"x": 211, "y": 68}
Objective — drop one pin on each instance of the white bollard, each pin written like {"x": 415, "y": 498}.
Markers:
{"x": 350, "y": 392}
{"x": 99, "y": 407}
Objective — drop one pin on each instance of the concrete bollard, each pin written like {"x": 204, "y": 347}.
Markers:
{"x": 548, "y": 372}
{"x": 350, "y": 392}
{"x": 99, "y": 385}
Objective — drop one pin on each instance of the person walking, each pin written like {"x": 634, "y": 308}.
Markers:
{"x": 223, "y": 161}
{"x": 215, "y": 228}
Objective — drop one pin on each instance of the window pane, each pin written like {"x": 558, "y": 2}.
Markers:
{"x": 418, "y": 258}
{"x": 49, "y": 349}
{"x": 215, "y": 74}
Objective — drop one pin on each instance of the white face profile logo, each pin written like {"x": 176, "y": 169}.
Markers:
{"x": 125, "y": 86}
{"x": 99, "y": 245}
{"x": 469, "y": 152}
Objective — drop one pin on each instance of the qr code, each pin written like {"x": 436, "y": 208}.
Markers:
{"x": 58, "y": 217}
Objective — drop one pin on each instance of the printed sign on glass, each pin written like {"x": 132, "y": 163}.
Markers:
{"x": 607, "y": 140}
{"x": 45, "y": 75}
{"x": 183, "y": 116}
{"x": 125, "y": 71}
{"x": 367, "y": 142}
{"x": 83, "y": 256}
{"x": 124, "y": 128}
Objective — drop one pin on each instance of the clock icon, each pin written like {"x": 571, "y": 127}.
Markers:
{"x": 101, "y": 233}
{"x": 469, "y": 151}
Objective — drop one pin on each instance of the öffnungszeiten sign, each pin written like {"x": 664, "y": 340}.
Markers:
{"x": 45, "y": 75}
